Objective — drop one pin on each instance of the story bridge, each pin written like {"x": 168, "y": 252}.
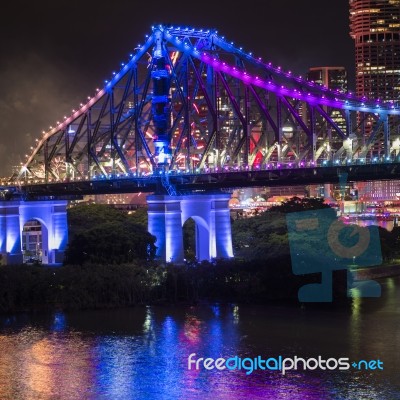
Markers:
{"x": 190, "y": 115}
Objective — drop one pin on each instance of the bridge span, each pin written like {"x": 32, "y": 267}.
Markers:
{"x": 190, "y": 115}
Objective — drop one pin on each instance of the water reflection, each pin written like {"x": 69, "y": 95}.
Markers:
{"x": 141, "y": 353}
{"x": 116, "y": 359}
{"x": 386, "y": 224}
{"x": 34, "y": 364}
{"x": 59, "y": 323}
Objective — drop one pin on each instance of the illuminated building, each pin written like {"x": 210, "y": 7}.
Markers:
{"x": 379, "y": 191}
{"x": 375, "y": 28}
{"x": 331, "y": 77}
{"x": 334, "y": 78}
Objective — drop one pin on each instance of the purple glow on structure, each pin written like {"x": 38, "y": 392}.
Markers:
{"x": 316, "y": 94}
{"x": 310, "y": 98}
{"x": 316, "y": 99}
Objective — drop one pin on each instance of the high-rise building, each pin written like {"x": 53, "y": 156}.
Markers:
{"x": 375, "y": 28}
{"x": 333, "y": 78}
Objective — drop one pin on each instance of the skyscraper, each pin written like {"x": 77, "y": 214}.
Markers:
{"x": 332, "y": 78}
{"x": 375, "y": 28}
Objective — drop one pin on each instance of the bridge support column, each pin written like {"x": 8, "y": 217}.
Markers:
{"x": 165, "y": 224}
{"x": 167, "y": 214}
{"x": 10, "y": 233}
{"x": 221, "y": 215}
{"x": 52, "y": 216}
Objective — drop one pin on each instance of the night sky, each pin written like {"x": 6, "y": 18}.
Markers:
{"x": 56, "y": 53}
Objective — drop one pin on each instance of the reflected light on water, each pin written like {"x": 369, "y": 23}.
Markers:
{"x": 388, "y": 225}
{"x": 146, "y": 358}
{"x": 235, "y": 314}
{"x": 116, "y": 366}
{"x": 59, "y": 323}
{"x": 39, "y": 365}
{"x": 148, "y": 321}
{"x": 391, "y": 286}
{"x": 192, "y": 328}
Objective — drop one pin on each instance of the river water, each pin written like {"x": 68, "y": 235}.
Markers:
{"x": 142, "y": 352}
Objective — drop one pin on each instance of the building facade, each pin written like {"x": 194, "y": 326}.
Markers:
{"x": 334, "y": 78}
{"x": 331, "y": 77}
{"x": 375, "y": 28}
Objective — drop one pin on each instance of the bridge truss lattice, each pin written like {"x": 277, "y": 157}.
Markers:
{"x": 224, "y": 108}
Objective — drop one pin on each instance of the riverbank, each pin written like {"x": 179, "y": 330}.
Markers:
{"x": 90, "y": 286}
{"x": 382, "y": 271}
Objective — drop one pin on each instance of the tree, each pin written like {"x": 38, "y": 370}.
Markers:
{"x": 140, "y": 216}
{"x": 296, "y": 204}
{"x": 86, "y": 216}
{"x": 101, "y": 234}
{"x": 261, "y": 236}
{"x": 265, "y": 236}
{"x": 390, "y": 244}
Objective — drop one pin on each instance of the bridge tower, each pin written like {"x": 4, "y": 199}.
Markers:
{"x": 161, "y": 103}
{"x": 168, "y": 213}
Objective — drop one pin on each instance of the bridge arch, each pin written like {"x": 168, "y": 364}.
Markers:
{"x": 201, "y": 237}
{"x": 52, "y": 216}
{"x": 35, "y": 242}
{"x": 167, "y": 214}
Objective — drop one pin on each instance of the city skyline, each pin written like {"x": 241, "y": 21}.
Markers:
{"x": 56, "y": 56}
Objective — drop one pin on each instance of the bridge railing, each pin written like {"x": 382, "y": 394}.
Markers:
{"x": 269, "y": 166}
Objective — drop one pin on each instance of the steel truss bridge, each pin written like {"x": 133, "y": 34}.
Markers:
{"x": 189, "y": 111}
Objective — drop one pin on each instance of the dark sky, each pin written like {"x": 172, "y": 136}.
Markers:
{"x": 56, "y": 53}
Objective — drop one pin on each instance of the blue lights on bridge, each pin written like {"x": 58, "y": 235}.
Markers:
{"x": 190, "y": 112}
{"x": 270, "y": 166}
{"x": 194, "y": 69}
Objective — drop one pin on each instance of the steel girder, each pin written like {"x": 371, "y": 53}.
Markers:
{"x": 226, "y": 108}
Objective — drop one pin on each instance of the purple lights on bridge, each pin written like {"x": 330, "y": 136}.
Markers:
{"x": 341, "y": 100}
{"x": 224, "y": 109}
